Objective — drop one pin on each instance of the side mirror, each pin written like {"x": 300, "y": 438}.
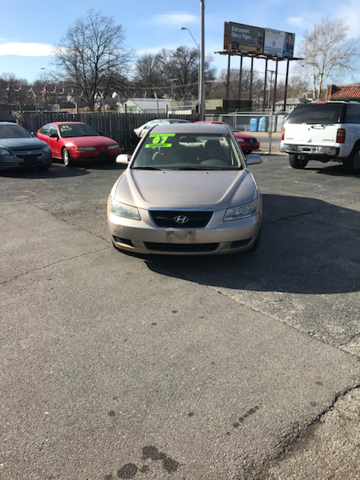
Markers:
{"x": 54, "y": 135}
{"x": 34, "y": 134}
{"x": 123, "y": 158}
{"x": 253, "y": 159}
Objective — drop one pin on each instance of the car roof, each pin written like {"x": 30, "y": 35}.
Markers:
{"x": 195, "y": 128}
{"x": 9, "y": 123}
{"x": 169, "y": 120}
{"x": 66, "y": 123}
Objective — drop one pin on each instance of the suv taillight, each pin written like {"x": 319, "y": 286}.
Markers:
{"x": 340, "y": 136}
{"x": 283, "y": 134}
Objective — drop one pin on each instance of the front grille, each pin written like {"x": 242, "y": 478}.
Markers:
{"x": 182, "y": 247}
{"x": 196, "y": 218}
{"x": 29, "y": 159}
{"x": 20, "y": 151}
{"x": 252, "y": 141}
{"x": 103, "y": 155}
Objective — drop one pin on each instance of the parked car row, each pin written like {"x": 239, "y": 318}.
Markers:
{"x": 75, "y": 142}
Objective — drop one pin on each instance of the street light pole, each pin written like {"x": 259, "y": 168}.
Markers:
{"x": 199, "y": 68}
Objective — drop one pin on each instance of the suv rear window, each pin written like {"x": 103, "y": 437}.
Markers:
{"x": 352, "y": 113}
{"x": 314, "y": 113}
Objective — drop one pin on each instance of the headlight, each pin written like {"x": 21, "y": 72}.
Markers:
{"x": 123, "y": 210}
{"x": 47, "y": 149}
{"x": 240, "y": 140}
{"x": 4, "y": 151}
{"x": 112, "y": 147}
{"x": 84, "y": 149}
{"x": 242, "y": 211}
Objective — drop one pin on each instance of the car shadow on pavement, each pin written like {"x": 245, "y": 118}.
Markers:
{"x": 55, "y": 171}
{"x": 58, "y": 170}
{"x": 308, "y": 246}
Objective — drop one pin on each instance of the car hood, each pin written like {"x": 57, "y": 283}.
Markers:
{"x": 94, "y": 141}
{"x": 183, "y": 189}
{"x": 243, "y": 135}
{"x": 26, "y": 143}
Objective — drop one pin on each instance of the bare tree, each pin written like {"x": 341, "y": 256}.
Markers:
{"x": 13, "y": 89}
{"x": 93, "y": 58}
{"x": 182, "y": 67}
{"x": 172, "y": 73}
{"x": 327, "y": 51}
{"x": 148, "y": 77}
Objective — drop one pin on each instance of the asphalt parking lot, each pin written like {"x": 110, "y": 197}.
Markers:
{"x": 215, "y": 368}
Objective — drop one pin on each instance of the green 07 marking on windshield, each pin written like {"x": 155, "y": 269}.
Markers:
{"x": 159, "y": 140}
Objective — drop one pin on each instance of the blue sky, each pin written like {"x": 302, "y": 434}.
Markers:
{"x": 29, "y": 30}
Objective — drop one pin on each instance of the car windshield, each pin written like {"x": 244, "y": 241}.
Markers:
{"x": 77, "y": 130}
{"x": 13, "y": 131}
{"x": 177, "y": 151}
{"x": 316, "y": 113}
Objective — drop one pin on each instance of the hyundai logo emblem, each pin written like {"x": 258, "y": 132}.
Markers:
{"x": 181, "y": 219}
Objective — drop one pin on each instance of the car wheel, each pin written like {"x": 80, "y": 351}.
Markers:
{"x": 44, "y": 168}
{"x": 68, "y": 162}
{"x": 256, "y": 244}
{"x": 295, "y": 162}
{"x": 351, "y": 165}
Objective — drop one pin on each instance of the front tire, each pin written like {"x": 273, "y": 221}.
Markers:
{"x": 351, "y": 165}
{"x": 295, "y": 162}
{"x": 68, "y": 162}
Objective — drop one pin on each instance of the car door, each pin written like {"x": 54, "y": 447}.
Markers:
{"x": 54, "y": 142}
{"x": 43, "y": 134}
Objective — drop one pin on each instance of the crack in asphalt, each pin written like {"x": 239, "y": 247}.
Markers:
{"x": 37, "y": 269}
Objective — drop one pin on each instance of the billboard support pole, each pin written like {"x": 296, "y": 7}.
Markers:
{"x": 286, "y": 83}
{"x": 240, "y": 80}
{"x": 251, "y": 81}
{"x": 228, "y": 82}
{"x": 275, "y": 83}
{"x": 265, "y": 83}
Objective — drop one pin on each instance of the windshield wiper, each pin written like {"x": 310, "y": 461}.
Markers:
{"x": 146, "y": 168}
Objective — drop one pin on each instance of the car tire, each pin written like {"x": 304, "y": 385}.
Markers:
{"x": 44, "y": 168}
{"x": 295, "y": 162}
{"x": 351, "y": 164}
{"x": 68, "y": 161}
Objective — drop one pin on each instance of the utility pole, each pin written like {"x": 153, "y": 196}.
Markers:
{"x": 202, "y": 62}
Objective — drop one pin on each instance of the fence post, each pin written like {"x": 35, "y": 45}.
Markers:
{"x": 270, "y": 127}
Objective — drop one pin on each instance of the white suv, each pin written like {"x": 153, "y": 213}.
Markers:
{"x": 323, "y": 131}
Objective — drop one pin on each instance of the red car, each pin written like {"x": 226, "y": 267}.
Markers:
{"x": 246, "y": 142}
{"x": 78, "y": 142}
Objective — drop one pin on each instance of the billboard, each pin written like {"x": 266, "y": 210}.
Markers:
{"x": 239, "y": 37}
{"x": 279, "y": 44}
{"x": 247, "y": 38}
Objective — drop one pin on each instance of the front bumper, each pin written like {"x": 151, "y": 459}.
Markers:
{"x": 8, "y": 162}
{"x": 95, "y": 155}
{"x": 218, "y": 237}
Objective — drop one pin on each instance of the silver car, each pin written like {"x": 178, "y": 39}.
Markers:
{"x": 186, "y": 191}
{"x": 143, "y": 129}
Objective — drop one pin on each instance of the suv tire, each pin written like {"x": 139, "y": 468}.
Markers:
{"x": 351, "y": 165}
{"x": 295, "y": 162}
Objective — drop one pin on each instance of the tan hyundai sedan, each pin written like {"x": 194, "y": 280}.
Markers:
{"x": 186, "y": 190}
